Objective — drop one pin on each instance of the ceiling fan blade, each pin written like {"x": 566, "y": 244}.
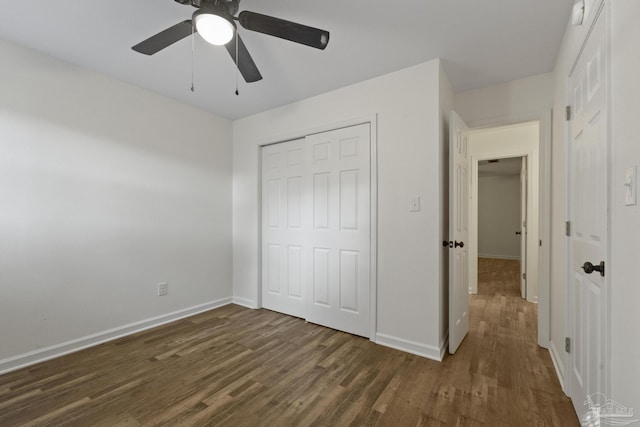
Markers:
{"x": 247, "y": 67}
{"x": 164, "y": 38}
{"x": 287, "y": 30}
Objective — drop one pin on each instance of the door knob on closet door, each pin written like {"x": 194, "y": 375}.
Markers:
{"x": 454, "y": 244}
{"x": 590, "y": 268}
{"x": 518, "y": 232}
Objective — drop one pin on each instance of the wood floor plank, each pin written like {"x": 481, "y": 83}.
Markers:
{"x": 239, "y": 367}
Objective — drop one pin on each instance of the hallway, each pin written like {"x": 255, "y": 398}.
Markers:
{"x": 503, "y": 354}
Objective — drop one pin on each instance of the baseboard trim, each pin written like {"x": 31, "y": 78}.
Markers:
{"x": 57, "y": 350}
{"x": 511, "y": 257}
{"x": 419, "y": 349}
{"x": 245, "y": 302}
{"x": 557, "y": 364}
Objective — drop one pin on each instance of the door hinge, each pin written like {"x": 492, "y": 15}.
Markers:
{"x": 567, "y": 344}
{"x": 524, "y": 276}
{"x": 540, "y": 243}
{"x": 568, "y": 112}
{"x": 567, "y": 228}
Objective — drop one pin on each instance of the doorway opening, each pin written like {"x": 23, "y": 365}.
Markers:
{"x": 502, "y": 143}
{"x": 502, "y": 232}
{"x": 520, "y": 140}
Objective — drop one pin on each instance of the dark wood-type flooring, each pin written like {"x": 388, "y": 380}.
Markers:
{"x": 239, "y": 367}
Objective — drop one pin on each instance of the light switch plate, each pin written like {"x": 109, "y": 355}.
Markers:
{"x": 414, "y": 204}
{"x": 630, "y": 181}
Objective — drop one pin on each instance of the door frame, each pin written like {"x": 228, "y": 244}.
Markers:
{"x": 524, "y": 226}
{"x": 372, "y": 120}
{"x": 544, "y": 207}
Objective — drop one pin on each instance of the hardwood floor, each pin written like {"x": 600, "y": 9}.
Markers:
{"x": 239, "y": 367}
{"x": 499, "y": 277}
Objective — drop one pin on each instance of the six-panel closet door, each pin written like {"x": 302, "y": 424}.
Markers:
{"x": 316, "y": 226}
{"x": 284, "y": 230}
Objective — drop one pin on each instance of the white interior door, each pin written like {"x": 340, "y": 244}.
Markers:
{"x": 284, "y": 227}
{"x": 339, "y": 252}
{"x": 523, "y": 228}
{"x": 316, "y": 226}
{"x": 458, "y": 231}
{"x": 589, "y": 220}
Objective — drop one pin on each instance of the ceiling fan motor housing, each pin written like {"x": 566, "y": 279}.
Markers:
{"x": 229, "y": 6}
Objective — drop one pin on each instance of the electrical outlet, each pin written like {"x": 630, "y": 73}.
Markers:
{"x": 163, "y": 289}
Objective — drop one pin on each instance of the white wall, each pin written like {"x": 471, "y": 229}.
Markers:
{"x": 625, "y": 238}
{"x": 509, "y": 100}
{"x": 499, "y": 216}
{"x": 409, "y": 148}
{"x": 106, "y": 190}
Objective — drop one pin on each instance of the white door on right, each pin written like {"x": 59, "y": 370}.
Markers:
{"x": 588, "y": 285}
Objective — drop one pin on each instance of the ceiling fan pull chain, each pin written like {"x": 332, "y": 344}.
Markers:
{"x": 193, "y": 54}
{"x": 237, "y": 64}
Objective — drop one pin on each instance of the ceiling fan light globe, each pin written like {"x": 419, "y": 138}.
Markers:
{"x": 214, "y": 27}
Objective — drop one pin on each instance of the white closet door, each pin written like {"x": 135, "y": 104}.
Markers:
{"x": 338, "y": 256}
{"x": 284, "y": 227}
{"x": 316, "y": 226}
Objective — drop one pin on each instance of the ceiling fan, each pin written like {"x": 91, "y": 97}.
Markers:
{"x": 215, "y": 20}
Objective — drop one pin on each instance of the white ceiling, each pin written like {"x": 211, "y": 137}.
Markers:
{"x": 481, "y": 43}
